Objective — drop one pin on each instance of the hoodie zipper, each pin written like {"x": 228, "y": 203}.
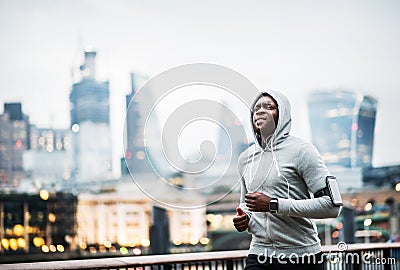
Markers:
{"x": 267, "y": 225}
{"x": 267, "y": 219}
{"x": 269, "y": 237}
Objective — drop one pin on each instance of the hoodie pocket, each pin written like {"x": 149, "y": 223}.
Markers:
{"x": 257, "y": 225}
{"x": 293, "y": 231}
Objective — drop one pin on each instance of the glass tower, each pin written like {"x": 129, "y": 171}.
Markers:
{"x": 342, "y": 127}
{"x": 135, "y": 154}
{"x": 90, "y": 125}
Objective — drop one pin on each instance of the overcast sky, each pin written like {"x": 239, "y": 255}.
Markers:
{"x": 291, "y": 46}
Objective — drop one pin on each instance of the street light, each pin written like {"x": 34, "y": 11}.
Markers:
{"x": 367, "y": 223}
{"x": 397, "y": 187}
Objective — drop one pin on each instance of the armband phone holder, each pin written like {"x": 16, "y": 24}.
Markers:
{"x": 333, "y": 189}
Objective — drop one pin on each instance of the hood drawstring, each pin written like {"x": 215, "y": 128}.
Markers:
{"x": 275, "y": 164}
{"x": 251, "y": 177}
{"x": 270, "y": 147}
{"x": 275, "y": 161}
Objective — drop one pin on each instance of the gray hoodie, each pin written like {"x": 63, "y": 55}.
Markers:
{"x": 292, "y": 170}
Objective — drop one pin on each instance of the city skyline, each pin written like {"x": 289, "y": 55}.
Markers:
{"x": 295, "y": 49}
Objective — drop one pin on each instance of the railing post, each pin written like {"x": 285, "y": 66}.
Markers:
{"x": 229, "y": 265}
{"x": 387, "y": 254}
{"x": 358, "y": 265}
{"x": 167, "y": 267}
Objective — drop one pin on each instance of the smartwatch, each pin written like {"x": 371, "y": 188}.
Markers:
{"x": 273, "y": 205}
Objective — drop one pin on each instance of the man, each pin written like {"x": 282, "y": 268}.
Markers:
{"x": 283, "y": 187}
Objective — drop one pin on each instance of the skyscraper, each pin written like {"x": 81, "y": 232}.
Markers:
{"x": 90, "y": 125}
{"x": 342, "y": 127}
{"x": 135, "y": 152}
{"x": 14, "y": 130}
{"x": 89, "y": 97}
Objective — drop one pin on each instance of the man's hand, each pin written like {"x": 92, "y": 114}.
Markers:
{"x": 240, "y": 220}
{"x": 257, "y": 202}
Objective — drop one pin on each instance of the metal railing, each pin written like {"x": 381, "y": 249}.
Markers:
{"x": 362, "y": 256}
{"x": 346, "y": 257}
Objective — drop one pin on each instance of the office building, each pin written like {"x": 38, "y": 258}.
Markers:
{"x": 343, "y": 126}
{"x": 14, "y": 130}
{"x": 90, "y": 125}
{"x": 136, "y": 154}
{"x": 123, "y": 219}
{"x": 46, "y": 163}
{"x": 187, "y": 226}
{"x": 386, "y": 176}
{"x": 37, "y": 223}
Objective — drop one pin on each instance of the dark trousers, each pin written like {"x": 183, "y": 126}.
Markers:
{"x": 254, "y": 262}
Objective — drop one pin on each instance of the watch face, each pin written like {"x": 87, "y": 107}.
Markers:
{"x": 273, "y": 205}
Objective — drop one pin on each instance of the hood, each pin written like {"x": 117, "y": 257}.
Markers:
{"x": 284, "y": 120}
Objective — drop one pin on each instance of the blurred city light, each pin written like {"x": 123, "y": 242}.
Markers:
{"x": 38, "y": 241}
{"x": 5, "y": 243}
{"x": 53, "y": 248}
{"x": 75, "y": 128}
{"x": 18, "y": 230}
{"x": 204, "y": 240}
{"x": 82, "y": 245}
{"x": 177, "y": 242}
{"x": 194, "y": 241}
{"x": 123, "y": 250}
{"x": 45, "y": 249}
{"x": 21, "y": 243}
{"x": 368, "y": 206}
{"x": 145, "y": 242}
{"x": 60, "y": 248}
{"x": 44, "y": 195}
{"x": 13, "y": 244}
{"x": 136, "y": 251}
{"x": 367, "y": 222}
{"x": 52, "y": 217}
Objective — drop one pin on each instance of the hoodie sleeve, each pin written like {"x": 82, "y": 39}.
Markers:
{"x": 318, "y": 208}
{"x": 313, "y": 170}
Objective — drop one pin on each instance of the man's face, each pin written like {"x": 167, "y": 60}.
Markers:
{"x": 265, "y": 116}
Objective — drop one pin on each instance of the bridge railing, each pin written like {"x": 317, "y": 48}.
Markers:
{"x": 341, "y": 257}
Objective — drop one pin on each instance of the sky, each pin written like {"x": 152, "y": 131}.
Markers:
{"x": 292, "y": 46}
